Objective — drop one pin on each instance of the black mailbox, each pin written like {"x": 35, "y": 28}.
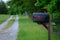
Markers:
{"x": 41, "y": 17}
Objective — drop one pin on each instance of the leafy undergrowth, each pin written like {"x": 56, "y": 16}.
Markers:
{"x": 56, "y": 28}
{"x": 29, "y": 30}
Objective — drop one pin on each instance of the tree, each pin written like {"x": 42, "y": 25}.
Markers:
{"x": 3, "y": 8}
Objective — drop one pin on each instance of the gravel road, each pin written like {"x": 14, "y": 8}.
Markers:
{"x": 10, "y": 33}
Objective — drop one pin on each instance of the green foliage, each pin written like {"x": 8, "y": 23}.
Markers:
{"x": 37, "y": 3}
{"x": 3, "y": 8}
{"x": 20, "y": 6}
{"x": 34, "y": 5}
{"x": 23, "y": 5}
{"x": 52, "y": 6}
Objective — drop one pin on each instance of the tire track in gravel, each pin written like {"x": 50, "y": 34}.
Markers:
{"x": 10, "y": 33}
{"x": 4, "y": 23}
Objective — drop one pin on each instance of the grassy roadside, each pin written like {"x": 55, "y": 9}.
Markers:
{"x": 9, "y": 23}
{"x": 54, "y": 37}
{"x": 3, "y": 18}
{"x": 56, "y": 31}
{"x": 31, "y": 31}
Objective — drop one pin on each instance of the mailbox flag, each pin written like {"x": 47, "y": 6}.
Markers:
{"x": 38, "y": 17}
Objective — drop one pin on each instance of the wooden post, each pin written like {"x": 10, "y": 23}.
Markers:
{"x": 49, "y": 25}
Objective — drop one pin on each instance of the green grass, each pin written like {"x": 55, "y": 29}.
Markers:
{"x": 32, "y": 31}
{"x": 3, "y": 18}
{"x": 54, "y": 37}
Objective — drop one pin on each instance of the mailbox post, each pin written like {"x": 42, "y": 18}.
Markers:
{"x": 43, "y": 18}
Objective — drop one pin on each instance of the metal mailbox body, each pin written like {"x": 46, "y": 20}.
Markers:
{"x": 41, "y": 17}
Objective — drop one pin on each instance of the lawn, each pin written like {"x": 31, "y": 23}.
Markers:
{"x": 3, "y": 18}
{"x": 29, "y": 30}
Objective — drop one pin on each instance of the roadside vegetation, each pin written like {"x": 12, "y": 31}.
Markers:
{"x": 56, "y": 28}
{"x": 28, "y": 30}
{"x": 3, "y": 18}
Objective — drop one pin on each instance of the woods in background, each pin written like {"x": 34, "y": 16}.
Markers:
{"x": 3, "y": 8}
